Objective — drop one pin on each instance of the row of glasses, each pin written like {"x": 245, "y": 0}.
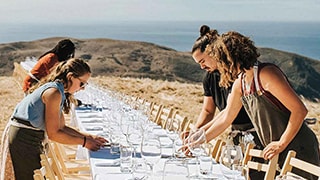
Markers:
{"x": 134, "y": 123}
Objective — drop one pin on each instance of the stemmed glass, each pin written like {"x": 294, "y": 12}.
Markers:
{"x": 134, "y": 137}
{"x": 171, "y": 132}
{"x": 194, "y": 141}
{"x": 231, "y": 156}
{"x": 151, "y": 151}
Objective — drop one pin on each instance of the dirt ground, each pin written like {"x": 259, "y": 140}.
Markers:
{"x": 187, "y": 98}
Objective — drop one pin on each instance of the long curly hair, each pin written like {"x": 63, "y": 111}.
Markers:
{"x": 77, "y": 67}
{"x": 232, "y": 50}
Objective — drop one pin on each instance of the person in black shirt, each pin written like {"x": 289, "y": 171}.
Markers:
{"x": 216, "y": 96}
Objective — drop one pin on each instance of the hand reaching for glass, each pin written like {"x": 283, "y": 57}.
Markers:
{"x": 192, "y": 141}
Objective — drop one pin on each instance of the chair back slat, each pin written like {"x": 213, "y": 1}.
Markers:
{"x": 269, "y": 168}
{"x": 291, "y": 161}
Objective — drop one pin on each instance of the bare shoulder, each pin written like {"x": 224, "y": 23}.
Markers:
{"x": 271, "y": 72}
{"x": 272, "y": 78}
{"x": 51, "y": 94}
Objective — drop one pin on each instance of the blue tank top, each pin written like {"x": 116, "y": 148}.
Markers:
{"x": 31, "y": 108}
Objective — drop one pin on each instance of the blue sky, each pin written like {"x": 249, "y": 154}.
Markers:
{"x": 69, "y": 11}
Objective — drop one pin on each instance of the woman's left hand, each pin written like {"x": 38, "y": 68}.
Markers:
{"x": 100, "y": 139}
{"x": 272, "y": 149}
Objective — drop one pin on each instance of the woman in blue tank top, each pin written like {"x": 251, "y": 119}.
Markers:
{"x": 41, "y": 113}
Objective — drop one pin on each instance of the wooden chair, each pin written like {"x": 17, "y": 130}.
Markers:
{"x": 147, "y": 106}
{"x": 269, "y": 168}
{"x": 178, "y": 122}
{"x": 68, "y": 152}
{"x": 188, "y": 125}
{"x": 215, "y": 147}
{"x": 155, "y": 111}
{"x": 291, "y": 161}
{"x": 163, "y": 116}
{"x": 50, "y": 170}
{"x": 46, "y": 170}
{"x": 67, "y": 167}
{"x": 218, "y": 147}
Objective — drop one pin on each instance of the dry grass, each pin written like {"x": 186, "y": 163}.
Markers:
{"x": 187, "y": 98}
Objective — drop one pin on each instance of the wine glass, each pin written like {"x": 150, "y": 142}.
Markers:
{"x": 231, "y": 156}
{"x": 151, "y": 151}
{"x": 194, "y": 141}
{"x": 134, "y": 137}
{"x": 171, "y": 132}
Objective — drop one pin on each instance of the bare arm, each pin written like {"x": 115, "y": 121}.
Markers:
{"x": 275, "y": 82}
{"x": 226, "y": 117}
{"x": 207, "y": 112}
{"x": 55, "y": 123}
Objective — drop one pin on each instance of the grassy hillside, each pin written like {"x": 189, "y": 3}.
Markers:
{"x": 109, "y": 57}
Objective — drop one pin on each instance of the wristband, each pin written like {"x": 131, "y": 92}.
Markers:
{"x": 84, "y": 141}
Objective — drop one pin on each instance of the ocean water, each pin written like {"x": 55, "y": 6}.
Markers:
{"x": 302, "y": 38}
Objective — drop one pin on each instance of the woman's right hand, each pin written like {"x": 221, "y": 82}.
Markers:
{"x": 94, "y": 143}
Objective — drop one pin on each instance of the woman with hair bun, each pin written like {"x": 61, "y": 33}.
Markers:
{"x": 216, "y": 96}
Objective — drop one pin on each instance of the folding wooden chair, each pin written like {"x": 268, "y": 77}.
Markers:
{"x": 178, "y": 122}
{"x": 215, "y": 147}
{"x": 68, "y": 152}
{"x": 216, "y": 154}
{"x": 68, "y": 166}
{"x": 155, "y": 111}
{"x": 50, "y": 170}
{"x": 291, "y": 161}
{"x": 46, "y": 170}
{"x": 269, "y": 168}
{"x": 147, "y": 106}
{"x": 163, "y": 116}
{"x": 188, "y": 125}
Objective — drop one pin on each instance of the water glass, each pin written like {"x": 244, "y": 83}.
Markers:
{"x": 205, "y": 164}
{"x": 125, "y": 159}
{"x": 205, "y": 159}
{"x": 178, "y": 148}
{"x": 115, "y": 148}
{"x": 115, "y": 145}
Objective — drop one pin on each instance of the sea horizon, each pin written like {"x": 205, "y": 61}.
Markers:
{"x": 301, "y": 38}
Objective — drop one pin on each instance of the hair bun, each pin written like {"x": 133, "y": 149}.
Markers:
{"x": 204, "y": 29}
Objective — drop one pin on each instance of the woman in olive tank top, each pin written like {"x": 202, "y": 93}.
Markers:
{"x": 274, "y": 108}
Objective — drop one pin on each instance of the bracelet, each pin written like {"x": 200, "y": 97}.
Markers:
{"x": 84, "y": 141}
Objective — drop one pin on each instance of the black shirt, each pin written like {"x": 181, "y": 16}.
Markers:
{"x": 219, "y": 94}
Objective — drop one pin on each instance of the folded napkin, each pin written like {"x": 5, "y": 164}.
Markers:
{"x": 92, "y": 121}
{"x": 89, "y": 115}
{"x": 108, "y": 163}
{"x": 94, "y": 129}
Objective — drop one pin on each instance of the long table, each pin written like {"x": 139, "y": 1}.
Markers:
{"x": 105, "y": 165}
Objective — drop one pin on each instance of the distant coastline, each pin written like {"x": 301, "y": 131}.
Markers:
{"x": 302, "y": 38}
